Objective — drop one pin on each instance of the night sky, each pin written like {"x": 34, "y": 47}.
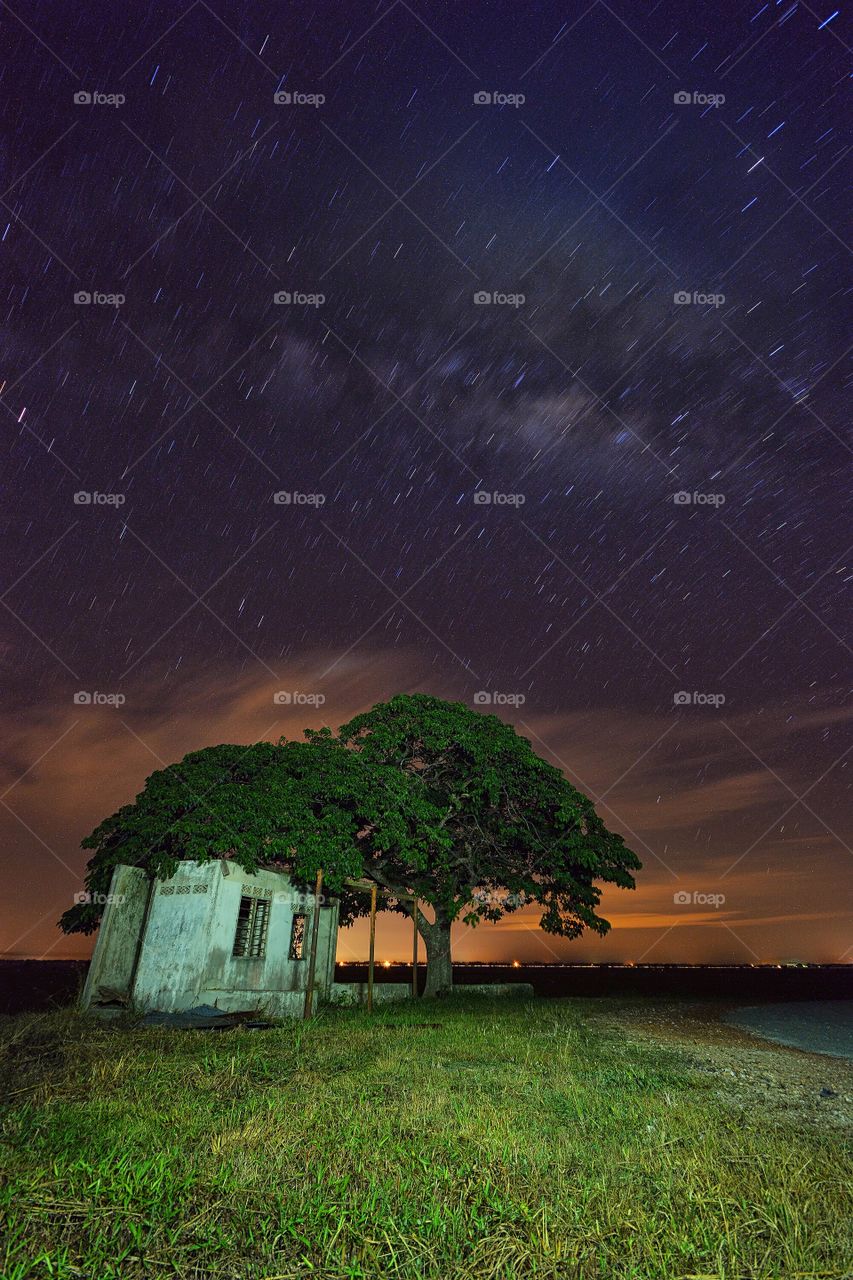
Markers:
{"x": 386, "y": 403}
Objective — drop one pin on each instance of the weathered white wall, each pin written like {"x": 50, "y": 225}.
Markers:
{"x": 186, "y": 957}
{"x": 115, "y": 951}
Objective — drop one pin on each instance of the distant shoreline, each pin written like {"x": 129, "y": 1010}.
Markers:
{"x": 30, "y": 985}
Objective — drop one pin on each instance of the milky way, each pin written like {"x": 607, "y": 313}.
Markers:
{"x": 322, "y": 374}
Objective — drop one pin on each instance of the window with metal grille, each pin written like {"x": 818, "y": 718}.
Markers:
{"x": 250, "y": 939}
{"x": 297, "y": 937}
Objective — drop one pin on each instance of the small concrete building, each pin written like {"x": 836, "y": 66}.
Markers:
{"x": 211, "y": 935}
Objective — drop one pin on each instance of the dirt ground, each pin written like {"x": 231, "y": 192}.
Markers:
{"x": 745, "y": 1070}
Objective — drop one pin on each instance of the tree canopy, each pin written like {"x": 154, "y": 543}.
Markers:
{"x": 295, "y": 805}
{"x": 514, "y": 829}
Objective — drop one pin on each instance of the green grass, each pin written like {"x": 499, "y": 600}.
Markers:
{"x": 510, "y": 1140}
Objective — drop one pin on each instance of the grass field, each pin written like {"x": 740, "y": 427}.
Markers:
{"x": 444, "y": 1140}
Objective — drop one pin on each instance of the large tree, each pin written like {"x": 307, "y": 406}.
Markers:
{"x": 424, "y": 797}
{"x": 503, "y": 827}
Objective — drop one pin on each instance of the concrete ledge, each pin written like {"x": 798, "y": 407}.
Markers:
{"x": 522, "y": 990}
{"x": 355, "y": 993}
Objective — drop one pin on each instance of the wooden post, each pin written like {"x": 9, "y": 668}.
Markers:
{"x": 315, "y": 934}
{"x": 372, "y": 948}
{"x": 415, "y": 951}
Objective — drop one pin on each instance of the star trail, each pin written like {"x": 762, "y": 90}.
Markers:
{"x": 491, "y": 351}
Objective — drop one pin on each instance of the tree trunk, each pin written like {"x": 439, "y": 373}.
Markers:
{"x": 436, "y": 936}
{"x": 439, "y": 980}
